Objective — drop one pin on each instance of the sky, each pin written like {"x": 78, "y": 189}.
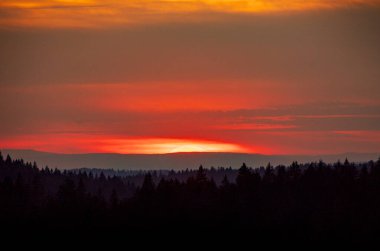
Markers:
{"x": 146, "y": 76}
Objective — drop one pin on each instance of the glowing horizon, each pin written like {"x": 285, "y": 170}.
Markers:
{"x": 165, "y": 145}
{"x": 110, "y": 144}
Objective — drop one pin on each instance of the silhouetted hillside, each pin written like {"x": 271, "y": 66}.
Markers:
{"x": 175, "y": 161}
{"x": 313, "y": 202}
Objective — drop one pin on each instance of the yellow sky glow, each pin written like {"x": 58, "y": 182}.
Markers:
{"x": 160, "y": 146}
{"x": 96, "y": 13}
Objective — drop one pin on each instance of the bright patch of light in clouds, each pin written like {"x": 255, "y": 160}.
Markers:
{"x": 162, "y": 145}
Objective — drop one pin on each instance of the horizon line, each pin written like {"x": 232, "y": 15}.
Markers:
{"x": 187, "y": 153}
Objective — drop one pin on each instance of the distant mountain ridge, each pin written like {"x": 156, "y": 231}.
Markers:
{"x": 175, "y": 161}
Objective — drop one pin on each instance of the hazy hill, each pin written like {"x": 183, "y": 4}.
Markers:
{"x": 174, "y": 161}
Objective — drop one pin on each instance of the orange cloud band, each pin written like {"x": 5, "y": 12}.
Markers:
{"x": 96, "y": 13}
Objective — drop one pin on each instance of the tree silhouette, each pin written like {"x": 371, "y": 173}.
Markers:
{"x": 201, "y": 175}
{"x": 312, "y": 201}
{"x": 147, "y": 188}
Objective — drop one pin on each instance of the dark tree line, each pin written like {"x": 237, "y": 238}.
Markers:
{"x": 314, "y": 201}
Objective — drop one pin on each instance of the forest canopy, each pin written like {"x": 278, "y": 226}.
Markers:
{"x": 313, "y": 200}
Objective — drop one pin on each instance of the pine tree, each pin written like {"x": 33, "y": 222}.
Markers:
{"x": 243, "y": 178}
{"x": 201, "y": 175}
{"x": 147, "y": 187}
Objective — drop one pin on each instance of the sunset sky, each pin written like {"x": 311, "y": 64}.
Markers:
{"x": 147, "y": 76}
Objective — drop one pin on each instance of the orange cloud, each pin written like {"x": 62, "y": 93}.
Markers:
{"x": 96, "y": 13}
{"x": 157, "y": 96}
{"x": 360, "y": 135}
{"x": 254, "y": 126}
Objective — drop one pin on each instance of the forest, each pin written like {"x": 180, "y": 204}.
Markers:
{"x": 311, "y": 201}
